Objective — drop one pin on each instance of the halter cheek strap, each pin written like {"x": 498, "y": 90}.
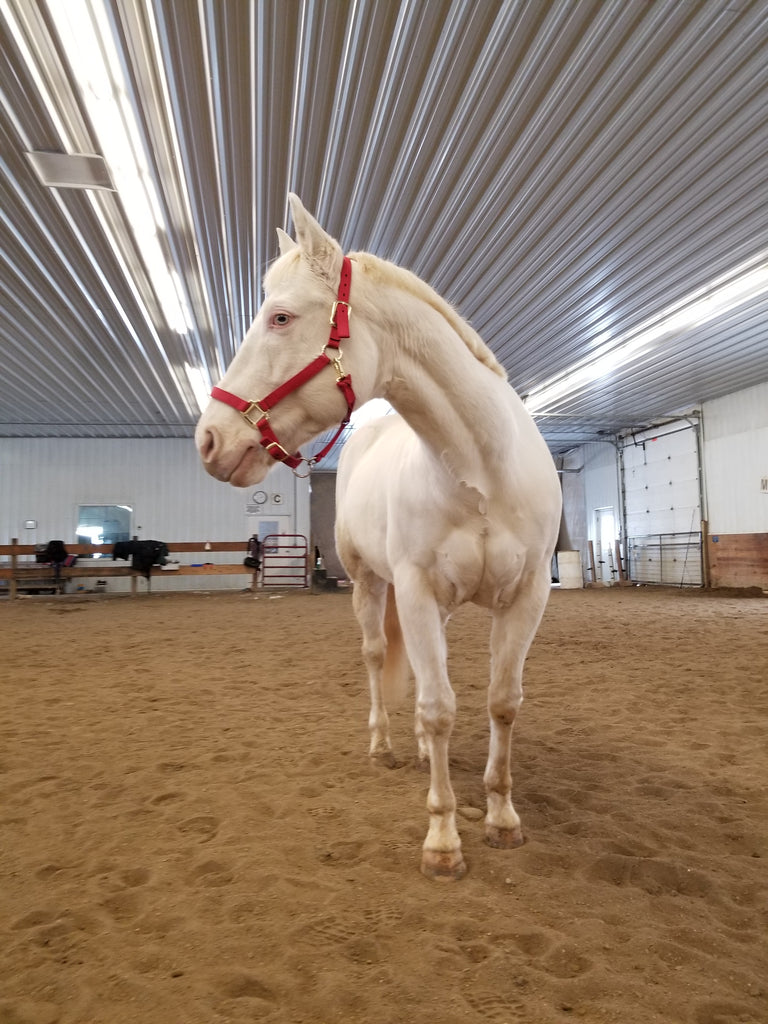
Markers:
{"x": 339, "y": 322}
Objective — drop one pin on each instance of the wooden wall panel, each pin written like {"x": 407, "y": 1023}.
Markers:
{"x": 738, "y": 560}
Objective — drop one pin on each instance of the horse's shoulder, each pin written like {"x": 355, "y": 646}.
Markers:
{"x": 370, "y": 435}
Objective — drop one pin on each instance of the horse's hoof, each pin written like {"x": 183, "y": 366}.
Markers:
{"x": 443, "y": 866}
{"x": 503, "y": 838}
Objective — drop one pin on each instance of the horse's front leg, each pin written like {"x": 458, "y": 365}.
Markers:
{"x": 369, "y": 597}
{"x": 424, "y": 632}
{"x": 512, "y": 632}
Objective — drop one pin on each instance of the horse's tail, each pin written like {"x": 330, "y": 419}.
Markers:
{"x": 394, "y": 674}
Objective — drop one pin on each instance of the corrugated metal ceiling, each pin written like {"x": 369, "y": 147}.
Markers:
{"x": 561, "y": 170}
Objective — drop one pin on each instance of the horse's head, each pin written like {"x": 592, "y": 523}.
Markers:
{"x": 237, "y": 437}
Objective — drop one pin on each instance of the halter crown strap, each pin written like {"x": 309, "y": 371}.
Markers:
{"x": 340, "y": 308}
{"x": 339, "y": 324}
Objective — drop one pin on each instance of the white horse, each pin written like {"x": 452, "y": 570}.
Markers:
{"x": 455, "y": 499}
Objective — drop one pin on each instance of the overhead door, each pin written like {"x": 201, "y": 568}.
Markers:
{"x": 662, "y": 505}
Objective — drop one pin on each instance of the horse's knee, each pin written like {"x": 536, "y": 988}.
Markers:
{"x": 436, "y": 717}
{"x": 373, "y": 653}
{"x": 503, "y": 710}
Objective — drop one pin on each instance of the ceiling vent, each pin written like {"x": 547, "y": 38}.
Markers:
{"x": 71, "y": 170}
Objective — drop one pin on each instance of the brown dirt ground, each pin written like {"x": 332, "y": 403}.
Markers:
{"x": 192, "y": 833}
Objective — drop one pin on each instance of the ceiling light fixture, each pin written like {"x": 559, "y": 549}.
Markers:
{"x": 86, "y": 36}
{"x": 71, "y": 170}
{"x": 201, "y": 386}
{"x": 747, "y": 281}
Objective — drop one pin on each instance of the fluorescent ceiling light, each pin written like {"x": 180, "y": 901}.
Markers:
{"x": 71, "y": 170}
{"x": 201, "y": 386}
{"x": 85, "y": 33}
{"x": 748, "y": 281}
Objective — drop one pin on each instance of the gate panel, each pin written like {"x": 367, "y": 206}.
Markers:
{"x": 284, "y": 560}
{"x": 670, "y": 558}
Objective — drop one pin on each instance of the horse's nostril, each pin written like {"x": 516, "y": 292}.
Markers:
{"x": 207, "y": 443}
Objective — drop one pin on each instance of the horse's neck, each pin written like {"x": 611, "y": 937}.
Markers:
{"x": 463, "y": 412}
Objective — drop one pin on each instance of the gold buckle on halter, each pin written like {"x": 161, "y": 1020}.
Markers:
{"x": 276, "y": 444}
{"x": 338, "y": 367}
{"x": 335, "y": 306}
{"x": 246, "y": 415}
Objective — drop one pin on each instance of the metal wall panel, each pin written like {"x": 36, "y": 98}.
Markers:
{"x": 601, "y": 480}
{"x": 601, "y": 489}
{"x": 45, "y": 479}
{"x": 735, "y": 454}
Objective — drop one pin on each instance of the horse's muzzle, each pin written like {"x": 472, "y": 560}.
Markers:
{"x": 237, "y": 461}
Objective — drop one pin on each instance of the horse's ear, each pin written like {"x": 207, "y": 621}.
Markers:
{"x": 323, "y": 252}
{"x": 285, "y": 242}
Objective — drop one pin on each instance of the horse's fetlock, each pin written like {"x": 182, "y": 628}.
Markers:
{"x": 441, "y": 805}
{"x": 378, "y": 721}
{"x": 497, "y": 780}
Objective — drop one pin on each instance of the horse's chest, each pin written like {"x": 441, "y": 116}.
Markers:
{"x": 457, "y": 566}
{"x": 480, "y": 565}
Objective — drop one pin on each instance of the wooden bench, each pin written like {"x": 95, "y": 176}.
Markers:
{"x": 26, "y": 575}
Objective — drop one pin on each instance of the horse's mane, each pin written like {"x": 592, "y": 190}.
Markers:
{"x": 390, "y": 273}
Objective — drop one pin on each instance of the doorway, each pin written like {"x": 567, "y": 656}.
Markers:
{"x": 605, "y": 538}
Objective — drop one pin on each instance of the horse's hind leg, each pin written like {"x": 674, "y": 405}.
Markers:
{"x": 512, "y": 632}
{"x": 369, "y": 600}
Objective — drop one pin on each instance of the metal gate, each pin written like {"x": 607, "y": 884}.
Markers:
{"x": 284, "y": 560}
{"x": 671, "y": 558}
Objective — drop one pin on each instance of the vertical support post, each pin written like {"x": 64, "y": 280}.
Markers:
{"x": 592, "y": 572}
{"x": 705, "y": 565}
{"x": 14, "y": 561}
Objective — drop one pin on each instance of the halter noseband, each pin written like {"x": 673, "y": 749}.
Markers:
{"x": 340, "y": 311}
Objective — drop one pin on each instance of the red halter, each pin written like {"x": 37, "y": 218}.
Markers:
{"x": 340, "y": 311}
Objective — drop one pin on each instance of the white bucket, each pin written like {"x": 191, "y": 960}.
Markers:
{"x": 569, "y": 568}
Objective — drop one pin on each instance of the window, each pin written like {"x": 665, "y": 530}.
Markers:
{"x": 103, "y": 524}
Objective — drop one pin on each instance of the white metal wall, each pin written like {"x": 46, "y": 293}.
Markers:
{"x": 601, "y": 489}
{"x": 45, "y": 479}
{"x": 589, "y": 476}
{"x": 662, "y": 487}
{"x": 735, "y": 431}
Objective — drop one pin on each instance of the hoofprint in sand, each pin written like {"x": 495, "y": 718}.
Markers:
{"x": 192, "y": 829}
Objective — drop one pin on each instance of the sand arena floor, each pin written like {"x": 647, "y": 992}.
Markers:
{"x": 192, "y": 833}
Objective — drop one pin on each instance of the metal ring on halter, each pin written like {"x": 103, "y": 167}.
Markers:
{"x": 262, "y": 415}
